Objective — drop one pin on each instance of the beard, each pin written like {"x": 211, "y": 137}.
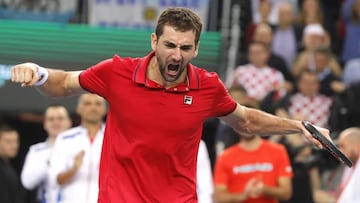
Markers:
{"x": 171, "y": 71}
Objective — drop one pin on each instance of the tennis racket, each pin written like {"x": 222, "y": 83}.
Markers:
{"x": 327, "y": 144}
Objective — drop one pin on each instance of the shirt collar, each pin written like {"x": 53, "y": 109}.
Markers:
{"x": 139, "y": 76}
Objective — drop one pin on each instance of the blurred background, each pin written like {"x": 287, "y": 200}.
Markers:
{"x": 319, "y": 36}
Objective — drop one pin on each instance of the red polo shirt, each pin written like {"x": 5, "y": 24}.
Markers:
{"x": 152, "y": 133}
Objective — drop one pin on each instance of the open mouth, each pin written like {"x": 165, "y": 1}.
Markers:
{"x": 173, "y": 69}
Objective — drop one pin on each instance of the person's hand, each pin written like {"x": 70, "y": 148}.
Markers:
{"x": 254, "y": 187}
{"x": 310, "y": 138}
{"x": 25, "y": 73}
{"x": 337, "y": 86}
{"x": 258, "y": 188}
{"x": 249, "y": 187}
{"x": 78, "y": 159}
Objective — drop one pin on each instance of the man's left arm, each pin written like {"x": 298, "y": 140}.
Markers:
{"x": 248, "y": 121}
{"x": 282, "y": 191}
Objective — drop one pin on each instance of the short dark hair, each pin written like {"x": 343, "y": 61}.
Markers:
{"x": 58, "y": 106}
{"x": 6, "y": 128}
{"x": 182, "y": 19}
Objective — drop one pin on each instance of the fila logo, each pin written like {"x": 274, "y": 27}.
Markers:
{"x": 187, "y": 100}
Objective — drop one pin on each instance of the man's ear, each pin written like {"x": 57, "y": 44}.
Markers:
{"x": 153, "y": 41}
{"x": 197, "y": 49}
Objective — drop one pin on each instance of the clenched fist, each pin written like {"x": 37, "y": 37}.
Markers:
{"x": 26, "y": 74}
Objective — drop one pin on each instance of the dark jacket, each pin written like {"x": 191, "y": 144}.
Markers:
{"x": 11, "y": 190}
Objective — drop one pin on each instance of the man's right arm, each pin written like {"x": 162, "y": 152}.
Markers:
{"x": 58, "y": 84}
{"x": 67, "y": 175}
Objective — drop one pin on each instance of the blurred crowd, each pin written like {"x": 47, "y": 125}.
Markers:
{"x": 301, "y": 61}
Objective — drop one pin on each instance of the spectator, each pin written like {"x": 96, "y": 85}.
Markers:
{"x": 351, "y": 15}
{"x": 330, "y": 83}
{"x": 205, "y": 186}
{"x": 275, "y": 4}
{"x": 35, "y": 170}
{"x": 314, "y": 36}
{"x": 11, "y": 190}
{"x": 74, "y": 164}
{"x": 255, "y": 170}
{"x": 263, "y": 18}
{"x": 349, "y": 144}
{"x": 310, "y": 13}
{"x": 257, "y": 77}
{"x": 225, "y": 135}
{"x": 263, "y": 33}
{"x": 351, "y": 72}
{"x": 308, "y": 103}
{"x": 287, "y": 36}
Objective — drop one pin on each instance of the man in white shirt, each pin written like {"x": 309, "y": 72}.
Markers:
{"x": 35, "y": 170}
{"x": 349, "y": 144}
{"x": 205, "y": 186}
{"x": 74, "y": 164}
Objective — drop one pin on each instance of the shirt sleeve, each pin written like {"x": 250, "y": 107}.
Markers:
{"x": 34, "y": 170}
{"x": 58, "y": 161}
{"x": 223, "y": 102}
{"x": 204, "y": 177}
{"x": 97, "y": 78}
{"x": 285, "y": 169}
{"x": 221, "y": 174}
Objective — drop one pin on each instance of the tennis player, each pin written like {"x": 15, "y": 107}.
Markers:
{"x": 157, "y": 105}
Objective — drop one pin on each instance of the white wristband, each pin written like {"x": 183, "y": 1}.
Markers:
{"x": 43, "y": 75}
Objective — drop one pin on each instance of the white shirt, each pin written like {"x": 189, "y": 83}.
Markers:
{"x": 35, "y": 172}
{"x": 83, "y": 187}
{"x": 205, "y": 186}
{"x": 351, "y": 192}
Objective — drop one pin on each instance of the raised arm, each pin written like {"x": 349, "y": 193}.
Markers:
{"x": 56, "y": 83}
{"x": 248, "y": 121}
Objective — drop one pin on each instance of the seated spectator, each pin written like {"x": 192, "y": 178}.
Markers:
{"x": 349, "y": 144}
{"x": 314, "y": 36}
{"x": 263, "y": 16}
{"x": 351, "y": 16}
{"x": 310, "y": 13}
{"x": 330, "y": 83}
{"x": 308, "y": 103}
{"x": 205, "y": 186}
{"x": 11, "y": 190}
{"x": 352, "y": 72}
{"x": 287, "y": 36}
{"x": 225, "y": 135}
{"x": 255, "y": 170}
{"x": 275, "y": 4}
{"x": 263, "y": 33}
{"x": 257, "y": 77}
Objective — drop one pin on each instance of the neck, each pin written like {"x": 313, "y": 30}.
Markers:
{"x": 51, "y": 139}
{"x": 251, "y": 145}
{"x": 259, "y": 65}
{"x": 6, "y": 160}
{"x": 92, "y": 128}
{"x": 284, "y": 26}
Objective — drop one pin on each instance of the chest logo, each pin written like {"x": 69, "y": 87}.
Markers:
{"x": 187, "y": 100}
